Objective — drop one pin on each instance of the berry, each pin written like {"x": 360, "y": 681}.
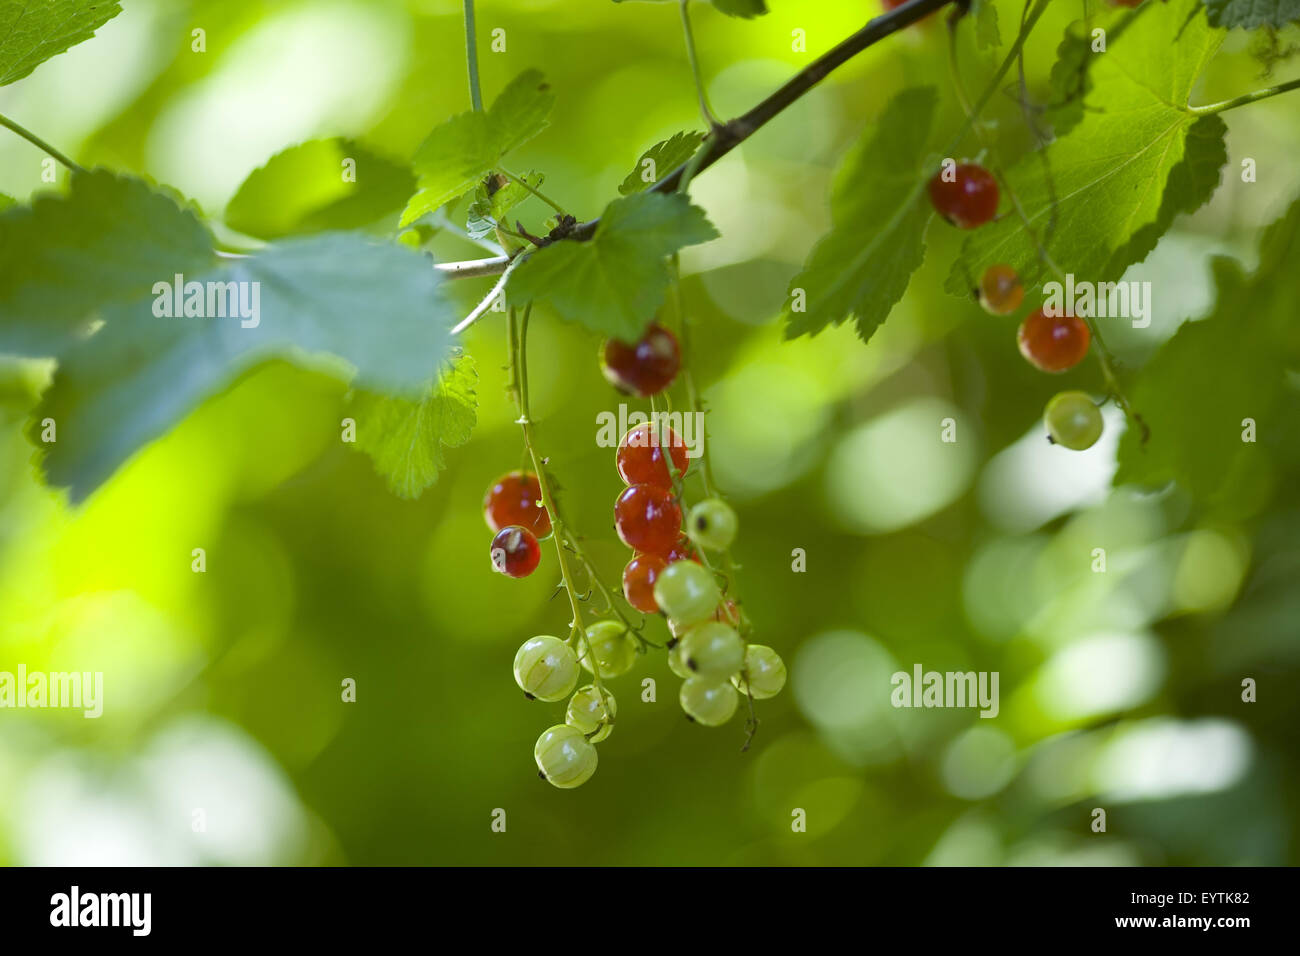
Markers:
{"x": 712, "y": 524}
{"x": 687, "y": 592}
{"x": 565, "y": 758}
{"x": 708, "y": 701}
{"x": 515, "y": 552}
{"x": 591, "y": 711}
{"x": 546, "y": 668}
{"x": 675, "y": 662}
{"x": 713, "y": 650}
{"x": 682, "y": 551}
{"x": 613, "y": 647}
{"x": 763, "y": 673}
{"x": 969, "y": 200}
{"x": 648, "y": 519}
{"x": 645, "y": 367}
{"x": 639, "y": 581}
{"x": 640, "y": 457}
{"x": 1053, "y": 343}
{"x": 515, "y": 498}
{"x": 1073, "y": 420}
{"x": 1000, "y": 291}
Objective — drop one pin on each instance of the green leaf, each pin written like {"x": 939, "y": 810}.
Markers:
{"x": 108, "y": 240}
{"x": 1100, "y": 196}
{"x": 464, "y": 149}
{"x": 862, "y": 266}
{"x": 1252, "y": 13}
{"x": 487, "y": 211}
{"x": 1197, "y": 390}
{"x": 661, "y": 159}
{"x": 741, "y": 8}
{"x": 318, "y": 186}
{"x": 614, "y": 283}
{"x": 378, "y": 307}
{"x": 406, "y": 439}
{"x": 32, "y": 31}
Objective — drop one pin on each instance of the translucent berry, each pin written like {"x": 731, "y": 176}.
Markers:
{"x": 516, "y": 498}
{"x": 613, "y": 646}
{"x": 515, "y": 552}
{"x": 708, "y": 701}
{"x": 712, "y": 524}
{"x": 546, "y": 668}
{"x": 968, "y": 197}
{"x": 1073, "y": 420}
{"x": 640, "y": 457}
{"x": 682, "y": 551}
{"x": 675, "y": 662}
{"x": 592, "y": 712}
{"x": 1000, "y": 290}
{"x": 648, "y": 519}
{"x": 687, "y": 592}
{"x": 645, "y": 367}
{"x": 763, "y": 672}
{"x": 565, "y": 757}
{"x": 639, "y": 581}
{"x": 713, "y": 649}
{"x": 1053, "y": 343}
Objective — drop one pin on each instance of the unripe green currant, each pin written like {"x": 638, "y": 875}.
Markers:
{"x": 713, "y": 649}
{"x": 708, "y": 701}
{"x": 763, "y": 674}
{"x": 613, "y": 647}
{"x": 565, "y": 758}
{"x": 712, "y": 524}
{"x": 592, "y": 711}
{"x": 1073, "y": 420}
{"x": 686, "y": 592}
{"x": 676, "y": 663}
{"x": 546, "y": 668}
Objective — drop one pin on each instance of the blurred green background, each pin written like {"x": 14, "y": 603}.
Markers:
{"x": 1118, "y": 690}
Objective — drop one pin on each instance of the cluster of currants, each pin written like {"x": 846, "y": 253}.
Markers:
{"x": 1052, "y": 343}
{"x": 665, "y": 575}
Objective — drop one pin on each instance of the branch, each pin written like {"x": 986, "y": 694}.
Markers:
{"x": 727, "y": 137}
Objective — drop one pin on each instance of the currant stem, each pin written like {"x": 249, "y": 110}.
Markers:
{"x": 39, "y": 143}
{"x": 471, "y": 58}
{"x": 705, "y": 110}
{"x": 1253, "y": 97}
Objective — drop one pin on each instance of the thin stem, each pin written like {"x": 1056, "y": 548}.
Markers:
{"x": 705, "y": 110}
{"x": 1245, "y": 98}
{"x": 536, "y": 192}
{"x": 485, "y": 306}
{"x": 471, "y": 58}
{"x": 473, "y": 268}
{"x": 692, "y": 394}
{"x": 39, "y": 143}
{"x": 519, "y": 364}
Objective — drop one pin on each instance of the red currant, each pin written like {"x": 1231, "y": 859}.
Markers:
{"x": 969, "y": 200}
{"x": 515, "y": 498}
{"x": 682, "y": 551}
{"x": 515, "y": 552}
{"x": 648, "y": 519}
{"x": 1053, "y": 343}
{"x": 639, "y": 581}
{"x": 641, "y": 456}
{"x": 645, "y": 367}
{"x": 1000, "y": 291}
